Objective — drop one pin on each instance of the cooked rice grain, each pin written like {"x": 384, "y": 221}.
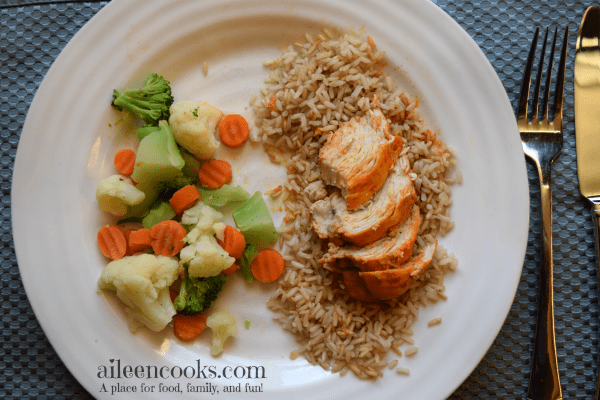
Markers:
{"x": 312, "y": 88}
{"x": 411, "y": 351}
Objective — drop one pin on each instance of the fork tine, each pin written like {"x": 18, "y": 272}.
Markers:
{"x": 538, "y": 79}
{"x": 560, "y": 80}
{"x": 548, "y": 76}
{"x": 525, "y": 84}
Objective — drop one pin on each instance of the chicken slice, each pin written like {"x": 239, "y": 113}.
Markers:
{"x": 359, "y": 155}
{"x": 388, "y": 251}
{"x": 394, "y": 282}
{"x": 390, "y": 283}
{"x": 390, "y": 206}
{"x": 355, "y": 287}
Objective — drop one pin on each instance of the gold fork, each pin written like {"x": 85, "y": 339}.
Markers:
{"x": 542, "y": 142}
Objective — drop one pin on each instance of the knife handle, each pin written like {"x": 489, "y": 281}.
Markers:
{"x": 596, "y": 213}
{"x": 544, "y": 381}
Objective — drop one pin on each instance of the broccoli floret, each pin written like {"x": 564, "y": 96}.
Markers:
{"x": 167, "y": 188}
{"x": 158, "y": 158}
{"x": 160, "y": 211}
{"x": 248, "y": 256}
{"x": 145, "y": 130}
{"x": 150, "y": 102}
{"x": 197, "y": 294}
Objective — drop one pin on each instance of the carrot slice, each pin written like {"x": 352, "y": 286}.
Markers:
{"x": 188, "y": 327}
{"x": 268, "y": 265}
{"x": 173, "y": 294}
{"x": 234, "y": 242}
{"x": 124, "y": 161}
{"x": 215, "y": 173}
{"x": 231, "y": 269}
{"x": 127, "y": 232}
{"x": 184, "y": 198}
{"x": 139, "y": 240}
{"x": 234, "y": 130}
{"x": 167, "y": 237}
{"x": 112, "y": 242}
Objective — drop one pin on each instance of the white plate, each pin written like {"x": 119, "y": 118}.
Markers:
{"x": 66, "y": 147}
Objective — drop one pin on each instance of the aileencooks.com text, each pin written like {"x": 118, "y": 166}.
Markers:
{"x": 115, "y": 370}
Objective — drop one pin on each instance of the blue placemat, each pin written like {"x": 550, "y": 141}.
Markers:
{"x": 32, "y": 34}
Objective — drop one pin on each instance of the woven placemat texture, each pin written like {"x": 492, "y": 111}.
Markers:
{"x": 31, "y": 38}
{"x": 22, "y": 3}
{"x": 504, "y": 30}
{"x": 33, "y": 34}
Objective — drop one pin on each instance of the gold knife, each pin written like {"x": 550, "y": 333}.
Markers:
{"x": 587, "y": 116}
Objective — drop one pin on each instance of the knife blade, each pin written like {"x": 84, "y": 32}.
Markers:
{"x": 587, "y": 118}
{"x": 587, "y": 104}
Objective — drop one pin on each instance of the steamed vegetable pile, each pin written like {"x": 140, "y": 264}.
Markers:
{"x": 177, "y": 254}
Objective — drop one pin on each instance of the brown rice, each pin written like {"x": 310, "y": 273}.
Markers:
{"x": 314, "y": 86}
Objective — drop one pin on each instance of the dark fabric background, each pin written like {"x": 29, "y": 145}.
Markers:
{"x": 32, "y": 34}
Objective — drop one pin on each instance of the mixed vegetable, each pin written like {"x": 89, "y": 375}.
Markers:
{"x": 176, "y": 254}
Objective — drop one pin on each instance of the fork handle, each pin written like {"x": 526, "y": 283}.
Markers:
{"x": 544, "y": 381}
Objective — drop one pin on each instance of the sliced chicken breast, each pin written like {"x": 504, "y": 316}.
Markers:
{"x": 359, "y": 155}
{"x": 388, "y": 251}
{"x": 390, "y": 206}
{"x": 390, "y": 283}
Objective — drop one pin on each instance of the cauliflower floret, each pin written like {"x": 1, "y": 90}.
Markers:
{"x": 204, "y": 217}
{"x": 219, "y": 229}
{"x": 115, "y": 193}
{"x": 223, "y": 326}
{"x": 142, "y": 282}
{"x": 194, "y": 124}
{"x": 206, "y": 257}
